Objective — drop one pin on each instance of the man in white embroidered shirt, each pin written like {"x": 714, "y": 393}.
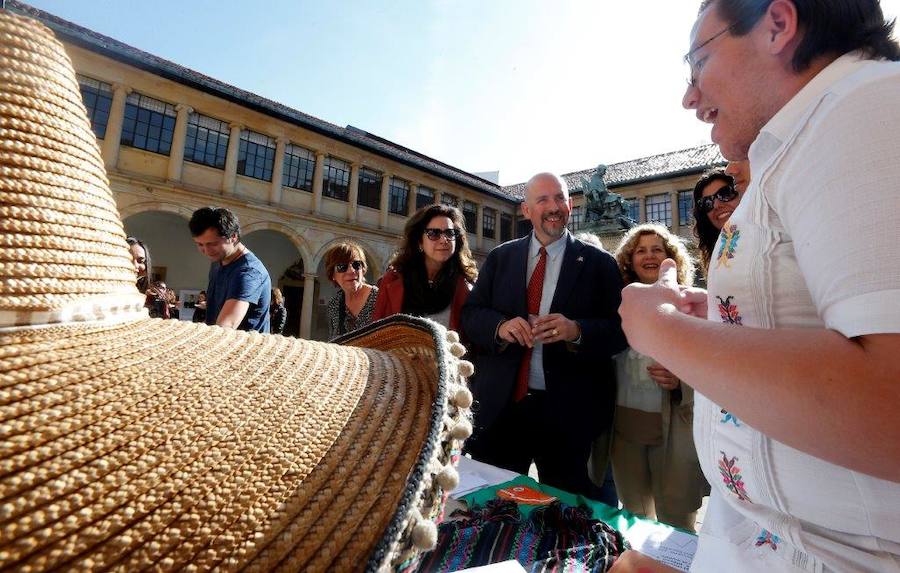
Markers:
{"x": 795, "y": 410}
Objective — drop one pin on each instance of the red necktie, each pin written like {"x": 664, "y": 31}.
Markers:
{"x": 535, "y": 289}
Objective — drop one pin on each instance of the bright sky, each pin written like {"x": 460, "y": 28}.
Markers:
{"x": 518, "y": 86}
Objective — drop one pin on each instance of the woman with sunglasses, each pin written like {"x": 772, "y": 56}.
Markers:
{"x": 715, "y": 198}
{"x": 353, "y": 305}
{"x": 432, "y": 273}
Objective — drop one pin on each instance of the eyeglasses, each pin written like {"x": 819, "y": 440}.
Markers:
{"x": 724, "y": 195}
{"x": 436, "y": 234}
{"x": 342, "y": 267}
{"x": 689, "y": 57}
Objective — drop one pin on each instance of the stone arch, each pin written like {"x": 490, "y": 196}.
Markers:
{"x": 147, "y": 206}
{"x": 299, "y": 242}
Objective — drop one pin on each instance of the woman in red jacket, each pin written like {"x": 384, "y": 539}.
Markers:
{"x": 432, "y": 273}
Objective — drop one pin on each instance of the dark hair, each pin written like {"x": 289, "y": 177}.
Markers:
{"x": 277, "y": 297}
{"x": 704, "y": 230}
{"x": 144, "y": 281}
{"x": 218, "y": 218}
{"x": 409, "y": 261}
{"x": 831, "y": 28}
{"x": 343, "y": 252}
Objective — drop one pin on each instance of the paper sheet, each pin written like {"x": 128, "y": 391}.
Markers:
{"x": 672, "y": 547}
{"x": 502, "y": 567}
{"x": 474, "y": 475}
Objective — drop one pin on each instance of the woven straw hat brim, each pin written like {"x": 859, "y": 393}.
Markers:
{"x": 190, "y": 446}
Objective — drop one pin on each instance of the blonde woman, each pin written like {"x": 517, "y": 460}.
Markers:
{"x": 653, "y": 458}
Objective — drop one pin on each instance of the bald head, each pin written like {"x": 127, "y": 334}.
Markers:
{"x": 547, "y": 206}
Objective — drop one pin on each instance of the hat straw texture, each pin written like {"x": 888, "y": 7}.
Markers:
{"x": 130, "y": 443}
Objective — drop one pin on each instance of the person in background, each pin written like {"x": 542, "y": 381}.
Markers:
{"x": 278, "y": 317}
{"x": 653, "y": 456}
{"x": 543, "y": 328}
{"x": 715, "y": 198}
{"x": 432, "y": 273}
{"x": 200, "y": 308}
{"x": 353, "y": 305}
{"x": 239, "y": 290}
{"x": 156, "y": 301}
{"x": 140, "y": 254}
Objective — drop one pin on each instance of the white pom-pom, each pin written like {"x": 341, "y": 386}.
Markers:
{"x": 424, "y": 534}
{"x": 462, "y": 398}
{"x": 447, "y": 478}
{"x": 452, "y": 336}
{"x": 466, "y": 368}
{"x": 457, "y": 349}
{"x": 461, "y": 430}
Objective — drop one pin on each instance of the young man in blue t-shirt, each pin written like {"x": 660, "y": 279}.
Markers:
{"x": 239, "y": 288}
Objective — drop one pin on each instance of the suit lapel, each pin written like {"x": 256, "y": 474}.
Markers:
{"x": 572, "y": 264}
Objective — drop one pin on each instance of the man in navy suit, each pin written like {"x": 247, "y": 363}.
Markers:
{"x": 543, "y": 324}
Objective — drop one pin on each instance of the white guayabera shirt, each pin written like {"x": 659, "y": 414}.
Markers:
{"x": 815, "y": 243}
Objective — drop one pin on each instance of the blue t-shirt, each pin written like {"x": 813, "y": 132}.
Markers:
{"x": 246, "y": 279}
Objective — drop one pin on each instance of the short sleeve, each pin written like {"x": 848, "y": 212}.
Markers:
{"x": 839, "y": 201}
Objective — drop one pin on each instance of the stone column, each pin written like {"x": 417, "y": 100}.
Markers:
{"x": 114, "y": 126}
{"x": 278, "y": 171}
{"x": 413, "y": 197}
{"x": 642, "y": 209}
{"x": 353, "y": 197}
{"x": 231, "y": 158}
{"x": 306, "y": 310}
{"x": 383, "y": 207}
{"x": 317, "y": 182}
{"x": 176, "y": 156}
{"x": 479, "y": 226}
{"x": 437, "y": 197}
{"x": 673, "y": 197}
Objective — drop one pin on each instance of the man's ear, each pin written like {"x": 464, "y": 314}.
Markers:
{"x": 781, "y": 26}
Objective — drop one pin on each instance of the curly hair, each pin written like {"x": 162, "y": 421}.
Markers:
{"x": 344, "y": 252}
{"x": 707, "y": 234}
{"x": 673, "y": 245}
{"x": 410, "y": 258}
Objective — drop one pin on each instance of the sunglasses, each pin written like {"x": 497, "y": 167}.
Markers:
{"x": 342, "y": 267}
{"x": 436, "y": 234}
{"x": 724, "y": 195}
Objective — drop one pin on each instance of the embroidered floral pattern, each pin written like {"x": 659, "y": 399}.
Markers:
{"x": 731, "y": 475}
{"x": 728, "y": 241}
{"x": 766, "y": 537}
{"x": 729, "y": 312}
{"x": 729, "y": 417}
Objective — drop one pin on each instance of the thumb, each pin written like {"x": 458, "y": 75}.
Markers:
{"x": 668, "y": 274}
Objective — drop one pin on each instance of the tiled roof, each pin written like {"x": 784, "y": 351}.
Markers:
{"x": 130, "y": 55}
{"x": 665, "y": 165}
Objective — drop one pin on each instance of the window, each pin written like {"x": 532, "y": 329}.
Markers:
{"x": 299, "y": 166}
{"x": 489, "y": 223}
{"x": 576, "y": 218}
{"x": 97, "y": 97}
{"x": 634, "y": 209}
{"x": 470, "y": 216}
{"x": 335, "y": 178}
{"x": 449, "y": 200}
{"x": 659, "y": 209}
{"x": 398, "y": 198}
{"x": 206, "y": 141}
{"x": 148, "y": 124}
{"x": 369, "y": 188}
{"x": 256, "y": 155}
{"x": 505, "y": 227}
{"x": 685, "y": 207}
{"x": 424, "y": 197}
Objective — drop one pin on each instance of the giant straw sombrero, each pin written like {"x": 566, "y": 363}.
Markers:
{"x": 129, "y": 443}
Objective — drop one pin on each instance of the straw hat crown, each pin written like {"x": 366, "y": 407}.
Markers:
{"x": 61, "y": 240}
{"x": 132, "y": 443}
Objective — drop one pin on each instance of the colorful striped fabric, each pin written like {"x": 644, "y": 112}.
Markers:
{"x": 553, "y": 538}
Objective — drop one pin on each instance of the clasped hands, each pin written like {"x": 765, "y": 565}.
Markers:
{"x": 547, "y": 328}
